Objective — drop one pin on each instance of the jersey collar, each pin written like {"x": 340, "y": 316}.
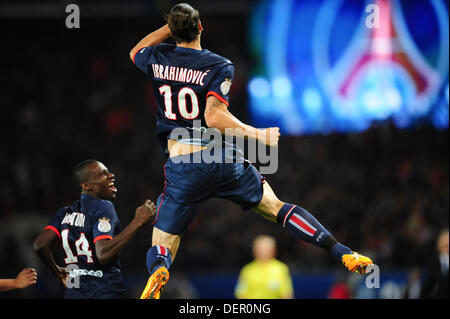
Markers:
{"x": 85, "y": 196}
{"x": 183, "y": 49}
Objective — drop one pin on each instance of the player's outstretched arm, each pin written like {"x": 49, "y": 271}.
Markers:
{"x": 42, "y": 247}
{"x": 25, "y": 278}
{"x": 218, "y": 116}
{"x": 152, "y": 39}
{"x": 107, "y": 249}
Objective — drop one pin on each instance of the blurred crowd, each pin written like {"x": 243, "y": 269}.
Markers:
{"x": 72, "y": 95}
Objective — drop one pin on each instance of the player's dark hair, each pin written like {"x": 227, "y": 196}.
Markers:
{"x": 79, "y": 171}
{"x": 183, "y": 23}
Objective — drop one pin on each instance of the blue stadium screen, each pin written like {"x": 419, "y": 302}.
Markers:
{"x": 343, "y": 65}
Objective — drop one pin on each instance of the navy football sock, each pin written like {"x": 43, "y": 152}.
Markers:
{"x": 338, "y": 250}
{"x": 306, "y": 227}
{"x": 158, "y": 256}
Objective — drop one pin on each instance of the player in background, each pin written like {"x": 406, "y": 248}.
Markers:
{"x": 89, "y": 231}
{"x": 191, "y": 83}
{"x": 254, "y": 282}
{"x": 25, "y": 278}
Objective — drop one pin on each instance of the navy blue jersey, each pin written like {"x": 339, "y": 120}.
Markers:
{"x": 182, "y": 80}
{"x": 79, "y": 226}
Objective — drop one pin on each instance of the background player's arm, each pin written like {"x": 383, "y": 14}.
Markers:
{"x": 42, "y": 247}
{"x": 241, "y": 290}
{"x": 152, "y": 39}
{"x": 287, "y": 289}
{"x": 25, "y": 278}
{"x": 218, "y": 116}
{"x": 107, "y": 249}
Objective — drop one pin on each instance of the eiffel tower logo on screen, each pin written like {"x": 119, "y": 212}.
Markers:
{"x": 382, "y": 68}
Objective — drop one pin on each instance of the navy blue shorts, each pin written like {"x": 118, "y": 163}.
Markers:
{"x": 189, "y": 185}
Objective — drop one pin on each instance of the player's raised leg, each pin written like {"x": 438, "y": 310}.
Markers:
{"x": 306, "y": 227}
{"x": 159, "y": 258}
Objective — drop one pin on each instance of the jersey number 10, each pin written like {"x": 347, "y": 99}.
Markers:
{"x": 166, "y": 90}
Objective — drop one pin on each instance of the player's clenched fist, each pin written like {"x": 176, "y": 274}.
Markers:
{"x": 145, "y": 212}
{"x": 62, "y": 275}
{"x": 269, "y": 136}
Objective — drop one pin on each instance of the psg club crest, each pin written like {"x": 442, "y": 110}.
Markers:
{"x": 382, "y": 68}
{"x": 320, "y": 67}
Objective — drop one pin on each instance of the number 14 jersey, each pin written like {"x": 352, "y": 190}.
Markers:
{"x": 79, "y": 226}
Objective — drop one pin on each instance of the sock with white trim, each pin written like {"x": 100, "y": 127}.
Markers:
{"x": 307, "y": 228}
{"x": 158, "y": 256}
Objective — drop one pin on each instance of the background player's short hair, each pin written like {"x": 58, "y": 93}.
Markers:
{"x": 183, "y": 22}
{"x": 79, "y": 171}
{"x": 266, "y": 239}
